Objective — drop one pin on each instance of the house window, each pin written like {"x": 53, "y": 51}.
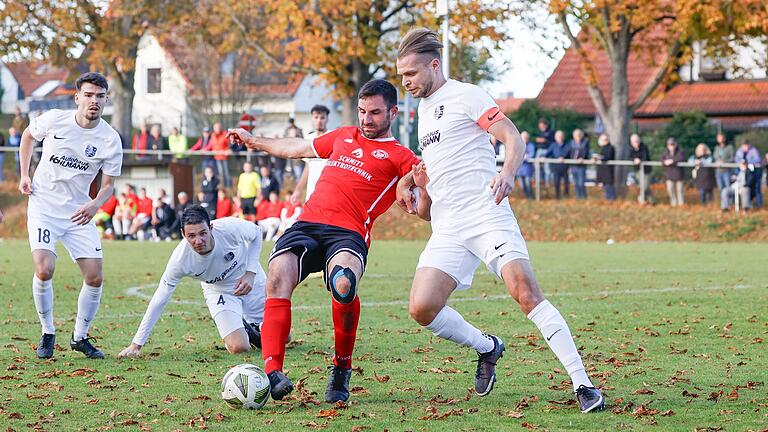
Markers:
{"x": 153, "y": 80}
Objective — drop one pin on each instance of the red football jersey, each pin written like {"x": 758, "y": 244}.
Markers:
{"x": 358, "y": 181}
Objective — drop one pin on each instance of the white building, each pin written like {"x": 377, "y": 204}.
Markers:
{"x": 166, "y": 95}
{"x": 34, "y": 85}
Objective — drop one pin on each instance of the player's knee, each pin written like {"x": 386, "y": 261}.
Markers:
{"x": 342, "y": 284}
{"x": 421, "y": 313}
{"x": 238, "y": 347}
{"x": 44, "y": 271}
{"x": 94, "y": 280}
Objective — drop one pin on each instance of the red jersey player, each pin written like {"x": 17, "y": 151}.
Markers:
{"x": 333, "y": 232}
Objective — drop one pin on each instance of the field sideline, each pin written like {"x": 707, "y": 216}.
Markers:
{"x": 673, "y": 332}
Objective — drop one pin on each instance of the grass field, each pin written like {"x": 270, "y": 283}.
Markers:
{"x": 673, "y": 332}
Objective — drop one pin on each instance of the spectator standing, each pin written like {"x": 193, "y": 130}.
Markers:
{"x": 163, "y": 220}
{"x": 210, "y": 190}
{"x": 14, "y": 140}
{"x": 703, "y": 176}
{"x": 268, "y": 183}
{"x": 525, "y": 172}
{"x": 279, "y": 164}
{"x": 749, "y": 154}
{"x": 559, "y": 149}
{"x": 579, "y": 150}
{"x": 123, "y": 217}
{"x": 604, "y": 171}
{"x": 20, "y": 120}
{"x": 156, "y": 141}
{"x": 139, "y": 142}
{"x": 723, "y": 153}
{"x": 220, "y": 144}
{"x": 638, "y": 153}
{"x": 223, "y": 204}
{"x": 544, "y": 139}
{"x": 673, "y": 173}
{"x": 248, "y": 187}
{"x": 204, "y": 143}
{"x": 178, "y": 144}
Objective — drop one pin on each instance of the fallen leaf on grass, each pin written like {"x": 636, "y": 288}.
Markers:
{"x": 329, "y": 413}
{"x": 514, "y": 414}
{"x": 382, "y": 378}
{"x": 643, "y": 390}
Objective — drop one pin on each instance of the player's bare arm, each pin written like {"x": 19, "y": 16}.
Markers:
{"x": 25, "y": 156}
{"x": 404, "y": 196}
{"x": 424, "y": 201}
{"x": 507, "y": 132}
{"x": 245, "y": 284}
{"x": 85, "y": 213}
{"x": 290, "y": 148}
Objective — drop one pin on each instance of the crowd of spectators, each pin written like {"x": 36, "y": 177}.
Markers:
{"x": 707, "y": 174}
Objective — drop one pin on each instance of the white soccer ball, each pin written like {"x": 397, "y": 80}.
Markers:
{"x": 245, "y": 386}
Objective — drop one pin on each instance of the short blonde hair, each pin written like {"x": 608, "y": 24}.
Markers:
{"x": 420, "y": 40}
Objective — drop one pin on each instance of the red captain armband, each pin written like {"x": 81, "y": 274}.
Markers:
{"x": 490, "y": 117}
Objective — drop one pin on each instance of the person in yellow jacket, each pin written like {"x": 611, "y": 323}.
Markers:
{"x": 248, "y": 188}
{"x": 177, "y": 143}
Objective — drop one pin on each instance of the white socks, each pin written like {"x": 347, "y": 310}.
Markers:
{"x": 87, "y": 305}
{"x": 554, "y": 329}
{"x": 449, "y": 324}
{"x": 42, "y": 292}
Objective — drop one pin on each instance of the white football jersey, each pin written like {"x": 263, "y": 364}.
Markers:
{"x": 460, "y": 160}
{"x": 236, "y": 249}
{"x": 221, "y": 268}
{"x": 72, "y": 157}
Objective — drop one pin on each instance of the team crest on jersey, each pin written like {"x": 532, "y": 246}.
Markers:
{"x": 229, "y": 256}
{"x": 439, "y": 112}
{"x": 358, "y": 153}
{"x": 380, "y": 154}
{"x": 90, "y": 151}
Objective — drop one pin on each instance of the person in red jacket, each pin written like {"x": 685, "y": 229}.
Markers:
{"x": 290, "y": 213}
{"x": 223, "y": 205}
{"x": 220, "y": 143}
{"x": 140, "y": 141}
{"x": 103, "y": 217}
{"x": 143, "y": 220}
{"x": 269, "y": 215}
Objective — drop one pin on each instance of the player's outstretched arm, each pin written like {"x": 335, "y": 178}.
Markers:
{"x": 154, "y": 310}
{"x": 404, "y": 193}
{"x": 507, "y": 132}
{"x": 291, "y": 148}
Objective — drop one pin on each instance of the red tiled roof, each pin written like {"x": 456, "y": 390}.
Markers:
{"x": 566, "y": 88}
{"x": 510, "y": 104}
{"x": 714, "y": 97}
{"x": 32, "y": 74}
{"x": 268, "y": 83}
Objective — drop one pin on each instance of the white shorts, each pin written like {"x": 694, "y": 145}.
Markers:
{"x": 459, "y": 257}
{"x": 81, "y": 241}
{"x": 249, "y": 307}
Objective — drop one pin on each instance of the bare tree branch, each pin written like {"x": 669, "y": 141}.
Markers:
{"x": 594, "y": 91}
{"x": 672, "y": 54}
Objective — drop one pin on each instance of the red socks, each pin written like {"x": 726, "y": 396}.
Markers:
{"x": 345, "y": 319}
{"x": 274, "y": 332}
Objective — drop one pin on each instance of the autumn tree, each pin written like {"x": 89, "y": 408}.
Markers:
{"x": 348, "y": 43}
{"x": 661, "y": 33}
{"x": 103, "y": 34}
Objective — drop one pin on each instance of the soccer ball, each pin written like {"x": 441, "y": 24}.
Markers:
{"x": 245, "y": 386}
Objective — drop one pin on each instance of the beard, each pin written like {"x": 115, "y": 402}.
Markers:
{"x": 379, "y": 130}
{"x": 91, "y": 114}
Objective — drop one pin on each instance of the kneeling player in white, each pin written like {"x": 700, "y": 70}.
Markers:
{"x": 224, "y": 257}
{"x": 76, "y": 145}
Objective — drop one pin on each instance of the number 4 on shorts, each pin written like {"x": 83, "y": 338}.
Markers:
{"x": 221, "y": 300}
